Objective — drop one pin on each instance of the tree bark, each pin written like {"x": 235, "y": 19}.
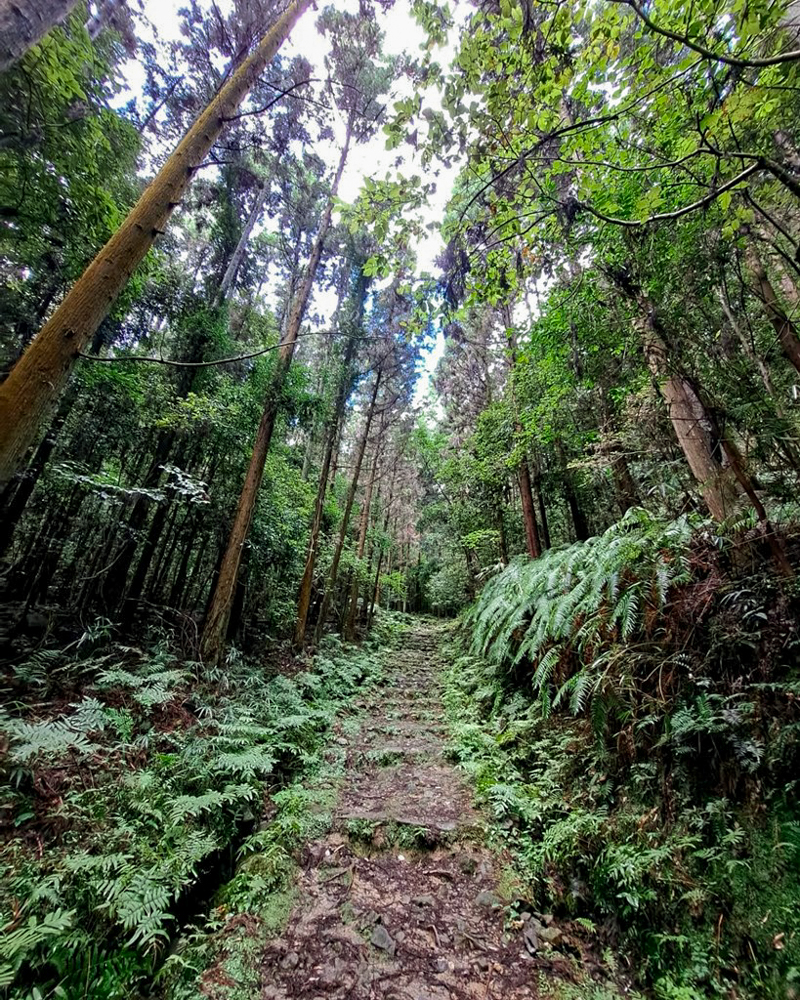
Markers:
{"x": 376, "y": 587}
{"x": 579, "y": 523}
{"x": 306, "y": 584}
{"x": 14, "y": 500}
{"x": 501, "y": 531}
{"x": 219, "y": 612}
{"x": 241, "y": 247}
{"x": 528, "y": 511}
{"x": 783, "y": 326}
{"x": 690, "y": 421}
{"x": 542, "y": 511}
{"x": 355, "y": 587}
{"x": 333, "y": 572}
{"x": 532, "y": 541}
{"x": 33, "y": 388}
{"x": 23, "y": 23}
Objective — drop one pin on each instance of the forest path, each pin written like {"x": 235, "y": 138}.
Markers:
{"x": 400, "y": 899}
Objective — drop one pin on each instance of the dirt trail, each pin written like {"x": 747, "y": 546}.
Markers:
{"x": 400, "y": 900}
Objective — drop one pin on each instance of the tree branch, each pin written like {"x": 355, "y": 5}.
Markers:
{"x": 782, "y": 57}
{"x": 679, "y": 212}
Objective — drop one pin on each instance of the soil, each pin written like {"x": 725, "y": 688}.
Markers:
{"x": 403, "y": 898}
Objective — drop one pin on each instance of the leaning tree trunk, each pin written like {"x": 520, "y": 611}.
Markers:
{"x": 345, "y": 384}
{"x": 363, "y": 528}
{"x": 377, "y": 584}
{"x": 783, "y": 326}
{"x": 33, "y": 388}
{"x": 333, "y": 572}
{"x": 241, "y": 247}
{"x": 23, "y": 23}
{"x": 219, "y": 611}
{"x": 693, "y": 427}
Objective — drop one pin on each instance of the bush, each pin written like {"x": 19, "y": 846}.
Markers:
{"x": 627, "y": 708}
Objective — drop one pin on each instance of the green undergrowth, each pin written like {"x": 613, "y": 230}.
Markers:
{"x": 139, "y": 789}
{"x": 628, "y": 711}
{"x": 368, "y": 835}
{"x": 550, "y": 988}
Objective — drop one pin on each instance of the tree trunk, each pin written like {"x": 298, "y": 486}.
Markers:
{"x": 627, "y": 494}
{"x": 216, "y": 625}
{"x": 179, "y": 582}
{"x": 624, "y": 484}
{"x": 376, "y": 589}
{"x": 746, "y": 346}
{"x": 783, "y": 326}
{"x": 690, "y": 421}
{"x": 542, "y": 511}
{"x": 306, "y": 584}
{"x": 532, "y": 541}
{"x": 579, "y": 522}
{"x": 33, "y": 388}
{"x": 350, "y": 627}
{"x": 333, "y": 572}
{"x": 110, "y": 14}
{"x": 528, "y": 511}
{"x": 501, "y": 530}
{"x": 14, "y": 501}
{"x": 241, "y": 247}
{"x": 23, "y": 23}
{"x": 343, "y": 391}
{"x": 114, "y": 585}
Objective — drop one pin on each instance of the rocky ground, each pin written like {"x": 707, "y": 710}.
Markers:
{"x": 403, "y": 898}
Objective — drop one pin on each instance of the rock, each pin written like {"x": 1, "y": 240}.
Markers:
{"x": 530, "y": 937}
{"x": 441, "y": 965}
{"x": 547, "y": 919}
{"x": 488, "y": 899}
{"x": 483, "y": 964}
{"x": 424, "y": 900}
{"x": 382, "y": 939}
{"x": 290, "y": 961}
{"x": 400, "y": 937}
{"x": 550, "y": 934}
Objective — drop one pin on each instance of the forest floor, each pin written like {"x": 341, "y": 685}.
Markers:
{"x": 404, "y": 897}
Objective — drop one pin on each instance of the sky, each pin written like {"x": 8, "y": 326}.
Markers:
{"x": 402, "y": 34}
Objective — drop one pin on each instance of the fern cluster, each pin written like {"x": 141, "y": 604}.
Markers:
{"x": 161, "y": 766}
{"x": 578, "y": 602}
{"x": 674, "y": 802}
